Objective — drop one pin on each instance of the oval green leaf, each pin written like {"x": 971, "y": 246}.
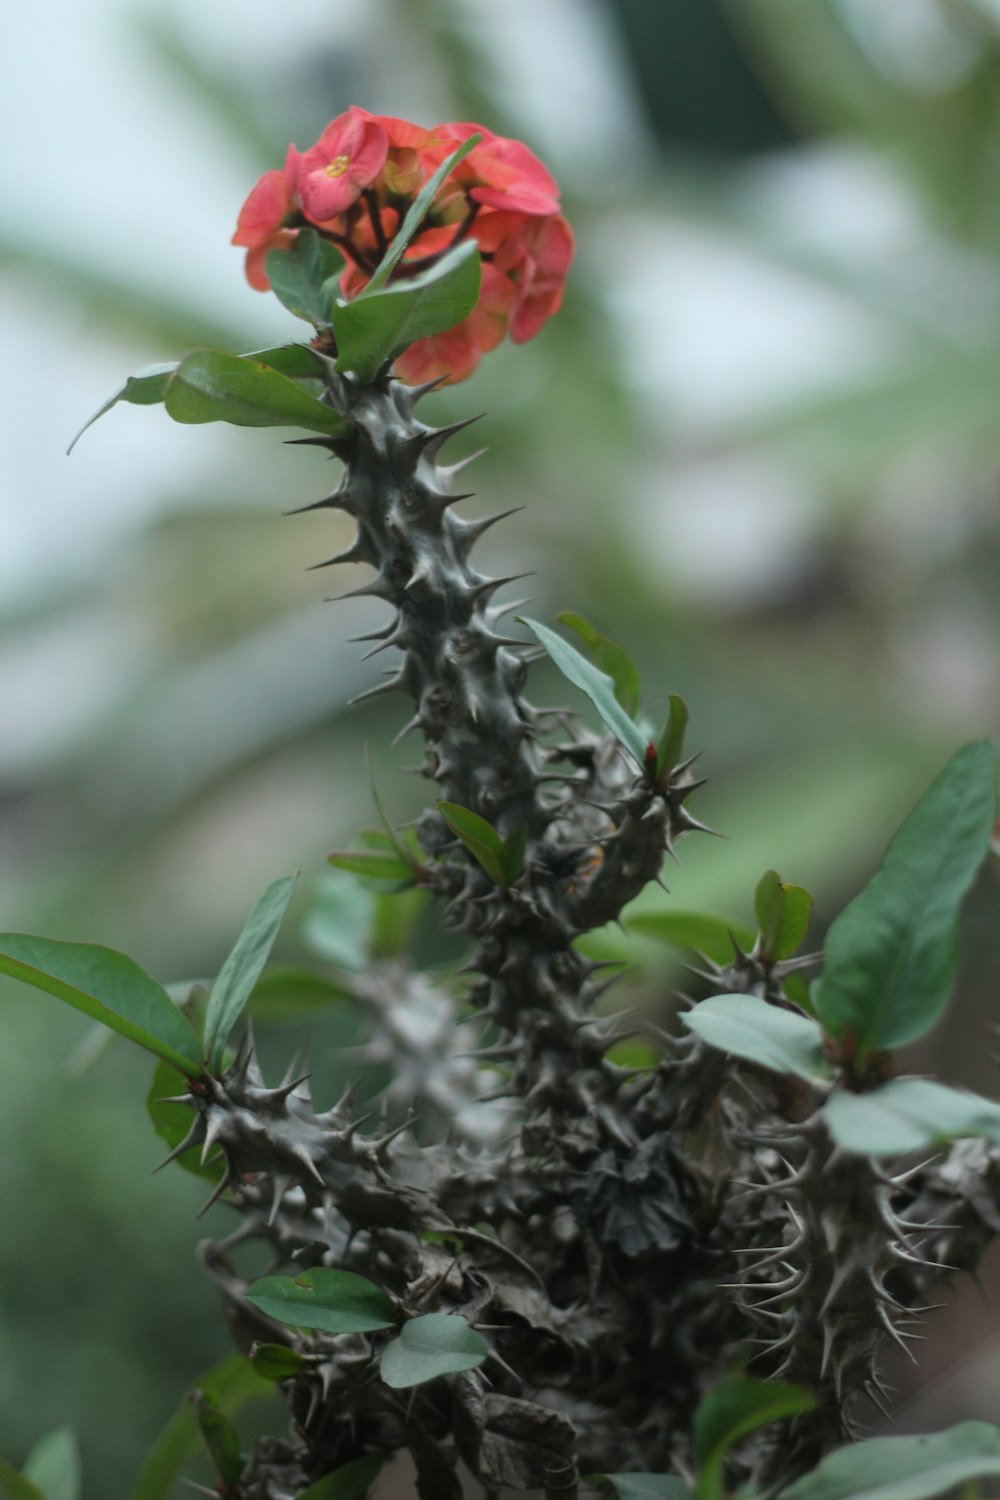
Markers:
{"x": 479, "y": 837}
{"x": 289, "y": 993}
{"x": 149, "y": 387}
{"x": 375, "y": 864}
{"x": 304, "y": 277}
{"x": 908, "y": 1114}
{"x": 730, "y": 1413}
{"x": 276, "y": 1361}
{"x": 904, "y": 1468}
{"x": 244, "y": 966}
{"x": 890, "y": 955}
{"x": 329, "y": 1301}
{"x": 108, "y": 987}
{"x": 53, "y": 1465}
{"x": 782, "y": 913}
{"x": 210, "y": 386}
{"x": 371, "y": 331}
{"x": 746, "y": 1026}
{"x": 350, "y": 1482}
{"x": 597, "y": 685}
{"x": 437, "y": 1344}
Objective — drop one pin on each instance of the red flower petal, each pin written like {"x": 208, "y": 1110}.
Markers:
{"x": 344, "y": 161}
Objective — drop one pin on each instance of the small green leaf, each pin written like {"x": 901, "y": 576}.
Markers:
{"x": 290, "y": 993}
{"x": 276, "y": 1361}
{"x": 610, "y": 657}
{"x": 330, "y": 1301}
{"x": 747, "y": 1027}
{"x": 375, "y": 864}
{"x": 220, "y": 1437}
{"x": 417, "y": 212}
{"x": 304, "y": 277}
{"x": 371, "y": 331}
{"x": 598, "y": 687}
{"x": 243, "y": 967}
{"x": 903, "y": 1468}
{"x": 782, "y": 915}
{"x": 730, "y": 1413}
{"x": 53, "y": 1465}
{"x": 350, "y": 1482}
{"x": 890, "y": 955}
{"x": 908, "y": 1114}
{"x": 671, "y": 741}
{"x": 210, "y": 386}
{"x": 109, "y": 988}
{"x": 643, "y": 1486}
{"x": 14, "y": 1486}
{"x": 438, "y": 1344}
{"x": 479, "y": 837}
{"x": 233, "y": 1383}
{"x": 337, "y": 925}
{"x": 149, "y": 387}
{"x": 710, "y": 935}
{"x": 172, "y": 1122}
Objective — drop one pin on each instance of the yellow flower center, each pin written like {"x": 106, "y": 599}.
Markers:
{"x": 338, "y": 166}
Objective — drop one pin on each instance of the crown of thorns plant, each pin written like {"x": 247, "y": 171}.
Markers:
{"x": 528, "y": 1263}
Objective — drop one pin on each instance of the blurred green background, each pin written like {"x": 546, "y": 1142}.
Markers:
{"x": 759, "y": 447}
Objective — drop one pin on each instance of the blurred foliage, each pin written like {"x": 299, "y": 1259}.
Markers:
{"x": 187, "y": 735}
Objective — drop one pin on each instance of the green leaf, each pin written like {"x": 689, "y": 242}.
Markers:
{"x": 233, "y": 1383}
{"x": 748, "y": 1027}
{"x": 53, "y": 1465}
{"x": 289, "y": 993}
{"x": 643, "y": 1486}
{"x": 330, "y": 1301}
{"x": 908, "y": 1114}
{"x": 149, "y": 387}
{"x": 480, "y": 838}
{"x": 370, "y": 331}
{"x": 14, "y": 1486}
{"x": 671, "y": 742}
{"x": 782, "y": 915}
{"x": 109, "y": 988}
{"x": 904, "y": 1468}
{"x": 598, "y": 687}
{"x": 276, "y": 1361}
{"x": 438, "y": 1344}
{"x": 220, "y": 1436}
{"x": 172, "y": 1122}
{"x": 730, "y": 1413}
{"x": 210, "y": 386}
{"x": 890, "y": 955}
{"x": 304, "y": 277}
{"x": 350, "y": 1482}
{"x": 710, "y": 935}
{"x": 375, "y": 864}
{"x": 337, "y": 924}
{"x": 610, "y": 657}
{"x": 244, "y": 966}
{"x": 417, "y": 212}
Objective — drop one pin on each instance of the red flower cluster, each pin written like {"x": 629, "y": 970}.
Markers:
{"x": 355, "y": 186}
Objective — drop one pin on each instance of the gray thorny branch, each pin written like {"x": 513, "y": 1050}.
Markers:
{"x": 620, "y": 1234}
